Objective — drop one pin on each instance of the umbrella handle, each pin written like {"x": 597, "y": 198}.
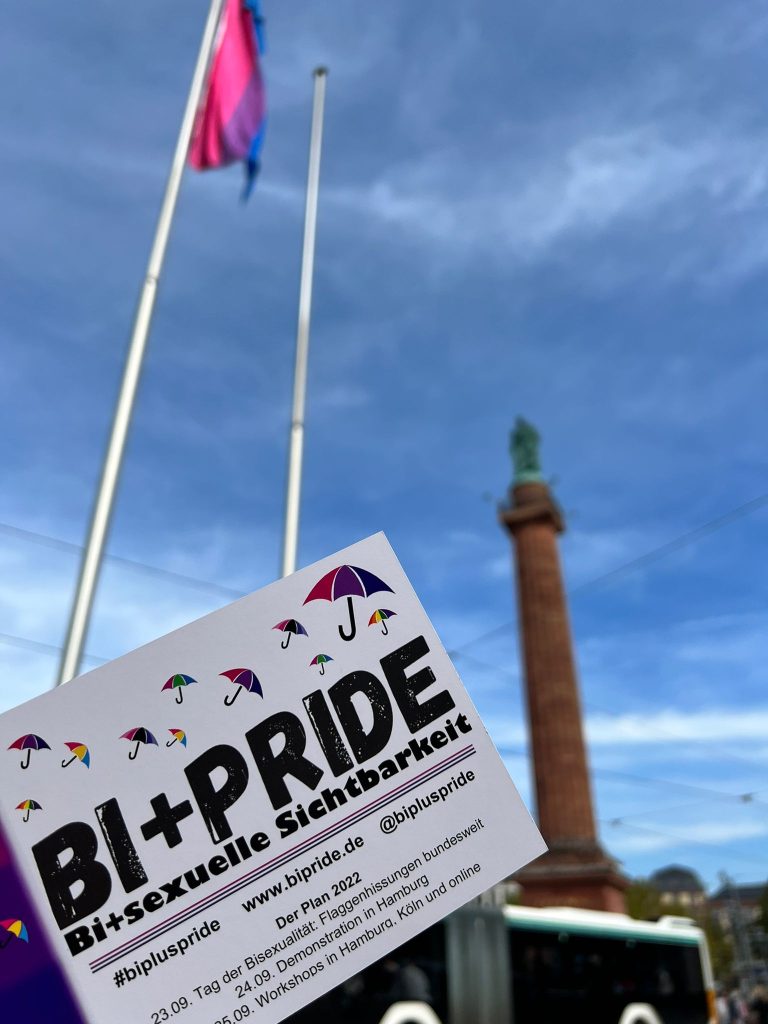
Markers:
{"x": 25, "y": 764}
{"x": 286, "y": 641}
{"x": 353, "y": 627}
{"x": 26, "y": 816}
{"x": 4, "y": 942}
{"x": 384, "y": 629}
{"x": 180, "y": 696}
{"x": 132, "y": 755}
{"x": 322, "y": 669}
{"x": 169, "y": 743}
{"x": 229, "y": 702}
{"x": 65, "y": 763}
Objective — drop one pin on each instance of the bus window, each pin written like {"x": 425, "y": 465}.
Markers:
{"x": 415, "y": 972}
{"x": 556, "y": 974}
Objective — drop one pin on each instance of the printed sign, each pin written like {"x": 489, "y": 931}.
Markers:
{"x": 228, "y": 822}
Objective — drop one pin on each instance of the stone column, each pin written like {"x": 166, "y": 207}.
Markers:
{"x": 576, "y": 871}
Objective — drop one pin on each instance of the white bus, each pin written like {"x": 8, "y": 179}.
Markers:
{"x": 522, "y": 965}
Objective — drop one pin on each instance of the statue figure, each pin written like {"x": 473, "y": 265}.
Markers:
{"x": 524, "y": 446}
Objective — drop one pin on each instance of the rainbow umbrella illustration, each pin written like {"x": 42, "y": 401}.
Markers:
{"x": 79, "y": 753}
{"x": 245, "y": 679}
{"x": 138, "y": 736}
{"x": 27, "y": 806}
{"x": 13, "y": 927}
{"x": 321, "y": 660}
{"x": 381, "y": 615}
{"x": 347, "y": 581}
{"x": 290, "y": 626}
{"x": 29, "y": 743}
{"x": 179, "y": 736}
{"x": 178, "y": 682}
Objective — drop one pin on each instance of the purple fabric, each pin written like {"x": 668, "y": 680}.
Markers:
{"x": 237, "y": 133}
{"x": 32, "y": 986}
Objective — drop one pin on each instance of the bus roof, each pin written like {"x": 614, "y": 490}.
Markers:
{"x": 668, "y": 929}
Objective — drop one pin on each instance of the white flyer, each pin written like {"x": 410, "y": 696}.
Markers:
{"x": 232, "y": 820}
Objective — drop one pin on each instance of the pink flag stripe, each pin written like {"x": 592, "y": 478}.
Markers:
{"x": 234, "y": 106}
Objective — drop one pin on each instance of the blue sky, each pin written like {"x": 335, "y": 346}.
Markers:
{"x": 545, "y": 209}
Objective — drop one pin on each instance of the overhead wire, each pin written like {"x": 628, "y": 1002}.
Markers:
{"x": 655, "y": 554}
{"x": 25, "y": 643}
{"x": 459, "y": 652}
{"x": 57, "y": 544}
{"x": 685, "y": 840}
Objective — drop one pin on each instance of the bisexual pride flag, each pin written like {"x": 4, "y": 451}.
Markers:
{"x": 231, "y": 119}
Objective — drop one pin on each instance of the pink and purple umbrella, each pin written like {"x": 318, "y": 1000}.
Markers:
{"x": 381, "y": 615}
{"x": 347, "y": 581}
{"x": 245, "y": 679}
{"x": 29, "y": 743}
{"x": 321, "y": 660}
{"x": 290, "y": 627}
{"x": 178, "y": 682}
{"x": 138, "y": 736}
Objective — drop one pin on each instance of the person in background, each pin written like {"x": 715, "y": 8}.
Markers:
{"x": 758, "y": 1005}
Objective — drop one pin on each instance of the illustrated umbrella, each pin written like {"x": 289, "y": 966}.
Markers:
{"x": 138, "y": 735}
{"x": 12, "y": 926}
{"x": 179, "y": 736}
{"x": 27, "y": 806}
{"x": 245, "y": 679}
{"x": 79, "y": 753}
{"x": 178, "y": 682}
{"x": 29, "y": 743}
{"x": 289, "y": 626}
{"x": 347, "y": 581}
{"x": 321, "y": 659}
{"x": 381, "y": 615}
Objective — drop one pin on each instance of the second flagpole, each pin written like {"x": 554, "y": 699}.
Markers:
{"x": 93, "y": 554}
{"x": 296, "y": 445}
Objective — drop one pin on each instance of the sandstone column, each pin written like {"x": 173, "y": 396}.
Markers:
{"x": 576, "y": 871}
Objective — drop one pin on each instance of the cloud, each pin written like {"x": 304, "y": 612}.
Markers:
{"x": 527, "y": 206}
{"x": 684, "y": 727}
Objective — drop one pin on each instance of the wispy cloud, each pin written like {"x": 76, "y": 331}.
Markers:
{"x": 670, "y": 726}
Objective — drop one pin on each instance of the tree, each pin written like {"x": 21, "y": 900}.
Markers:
{"x": 762, "y": 919}
{"x": 720, "y": 947}
{"x": 643, "y": 900}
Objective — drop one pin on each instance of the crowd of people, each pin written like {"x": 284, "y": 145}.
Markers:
{"x": 734, "y": 1008}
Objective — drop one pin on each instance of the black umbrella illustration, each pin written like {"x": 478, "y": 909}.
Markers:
{"x": 347, "y": 581}
{"x": 139, "y": 736}
{"x": 290, "y": 626}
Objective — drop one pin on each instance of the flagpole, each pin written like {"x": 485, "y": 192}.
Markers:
{"x": 296, "y": 446}
{"x": 90, "y": 565}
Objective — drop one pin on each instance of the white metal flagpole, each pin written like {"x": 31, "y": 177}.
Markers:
{"x": 296, "y": 447}
{"x": 90, "y": 566}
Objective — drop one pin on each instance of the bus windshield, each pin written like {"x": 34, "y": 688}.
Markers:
{"x": 556, "y": 973}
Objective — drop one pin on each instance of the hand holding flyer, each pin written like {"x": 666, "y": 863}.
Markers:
{"x": 266, "y": 801}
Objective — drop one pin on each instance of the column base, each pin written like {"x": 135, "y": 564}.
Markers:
{"x": 573, "y": 876}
